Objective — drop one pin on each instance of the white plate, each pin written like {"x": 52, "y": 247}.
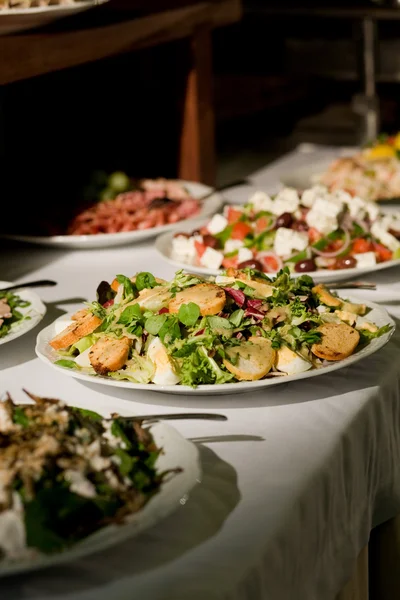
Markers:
{"x": 177, "y": 452}
{"x": 20, "y": 19}
{"x": 104, "y": 240}
{"x": 164, "y": 247}
{"x": 377, "y": 315}
{"x": 36, "y": 311}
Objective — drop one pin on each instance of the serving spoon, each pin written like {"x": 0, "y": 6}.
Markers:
{"x": 352, "y": 285}
{"x": 38, "y": 283}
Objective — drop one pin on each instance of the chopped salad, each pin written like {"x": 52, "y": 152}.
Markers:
{"x": 310, "y": 231}
{"x": 10, "y": 316}
{"x": 67, "y": 472}
{"x": 373, "y": 173}
{"x": 239, "y": 326}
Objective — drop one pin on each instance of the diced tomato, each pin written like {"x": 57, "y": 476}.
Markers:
{"x": 382, "y": 252}
{"x": 233, "y": 215}
{"x": 200, "y": 248}
{"x": 314, "y": 235}
{"x": 240, "y": 230}
{"x": 333, "y": 246}
{"x": 271, "y": 264}
{"x": 231, "y": 262}
{"x": 360, "y": 246}
{"x": 262, "y": 223}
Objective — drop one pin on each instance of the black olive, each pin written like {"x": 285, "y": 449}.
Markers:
{"x": 346, "y": 262}
{"x": 211, "y": 241}
{"x": 284, "y": 220}
{"x": 303, "y": 266}
{"x": 252, "y": 263}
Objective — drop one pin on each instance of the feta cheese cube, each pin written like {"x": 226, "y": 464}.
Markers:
{"x": 217, "y": 224}
{"x": 261, "y": 201}
{"x": 357, "y": 207}
{"x": 384, "y": 237}
{"x": 286, "y": 241}
{"x": 212, "y": 259}
{"x": 322, "y": 223}
{"x": 287, "y": 200}
{"x": 232, "y": 245}
{"x": 311, "y": 195}
{"x": 244, "y": 254}
{"x": 183, "y": 247}
{"x": 327, "y": 207}
{"x": 366, "y": 259}
{"x": 341, "y": 196}
{"x": 372, "y": 211}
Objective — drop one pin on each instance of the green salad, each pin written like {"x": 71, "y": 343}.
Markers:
{"x": 67, "y": 472}
{"x": 10, "y": 316}
{"x": 239, "y": 326}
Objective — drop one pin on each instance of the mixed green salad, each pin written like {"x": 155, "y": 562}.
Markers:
{"x": 10, "y": 316}
{"x": 240, "y": 326}
{"x": 67, "y": 472}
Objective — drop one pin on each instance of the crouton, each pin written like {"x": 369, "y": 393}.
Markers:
{"x": 80, "y": 314}
{"x": 252, "y": 360}
{"x": 109, "y": 354}
{"x": 76, "y": 331}
{"x": 338, "y": 341}
{"x": 209, "y": 297}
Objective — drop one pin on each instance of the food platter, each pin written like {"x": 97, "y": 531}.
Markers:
{"x": 163, "y": 246}
{"x": 377, "y": 315}
{"x": 36, "y": 311}
{"x": 177, "y": 452}
{"x": 107, "y": 240}
{"x": 13, "y": 20}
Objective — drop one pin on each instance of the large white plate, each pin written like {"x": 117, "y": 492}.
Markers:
{"x": 164, "y": 247}
{"x": 36, "y": 311}
{"x": 104, "y": 240}
{"x": 20, "y": 19}
{"x": 177, "y": 452}
{"x": 377, "y": 315}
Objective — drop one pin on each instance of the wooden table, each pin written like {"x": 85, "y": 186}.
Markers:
{"x": 120, "y": 27}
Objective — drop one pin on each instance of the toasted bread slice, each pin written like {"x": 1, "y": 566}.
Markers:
{"x": 109, "y": 354}
{"x": 80, "y": 314}
{"x": 75, "y": 332}
{"x": 253, "y": 359}
{"x": 338, "y": 341}
{"x": 115, "y": 283}
{"x": 209, "y": 297}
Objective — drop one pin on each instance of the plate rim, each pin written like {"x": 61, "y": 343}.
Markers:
{"x": 338, "y": 274}
{"x": 34, "y": 10}
{"x": 224, "y": 388}
{"x": 29, "y": 324}
{"x": 193, "y": 475}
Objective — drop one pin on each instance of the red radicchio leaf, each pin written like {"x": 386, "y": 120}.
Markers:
{"x": 108, "y": 303}
{"x": 253, "y": 312}
{"x": 163, "y": 310}
{"x": 237, "y": 295}
{"x": 254, "y": 304}
{"x": 200, "y": 332}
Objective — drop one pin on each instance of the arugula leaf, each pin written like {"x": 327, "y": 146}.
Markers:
{"x": 199, "y": 368}
{"x": 189, "y": 313}
{"x": 117, "y": 429}
{"x": 217, "y": 323}
{"x": 224, "y": 235}
{"x": 97, "y": 309}
{"x": 145, "y": 280}
{"x": 129, "y": 286}
{"x": 366, "y": 336}
{"x": 183, "y": 280}
{"x": 67, "y": 364}
{"x": 170, "y": 330}
{"x": 236, "y": 317}
{"x": 19, "y": 417}
{"x": 154, "y": 324}
{"x": 131, "y": 313}
{"x": 89, "y": 414}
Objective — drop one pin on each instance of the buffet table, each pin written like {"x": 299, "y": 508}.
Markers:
{"x": 292, "y": 483}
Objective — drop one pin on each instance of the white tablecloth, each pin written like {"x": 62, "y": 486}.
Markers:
{"x": 293, "y": 482}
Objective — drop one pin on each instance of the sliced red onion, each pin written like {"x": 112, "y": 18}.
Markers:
{"x": 239, "y": 335}
{"x": 261, "y": 255}
{"x": 343, "y": 247}
{"x": 237, "y": 295}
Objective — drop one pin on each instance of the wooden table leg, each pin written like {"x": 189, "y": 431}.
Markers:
{"x": 385, "y": 561}
{"x": 196, "y": 160}
{"x": 357, "y": 587}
